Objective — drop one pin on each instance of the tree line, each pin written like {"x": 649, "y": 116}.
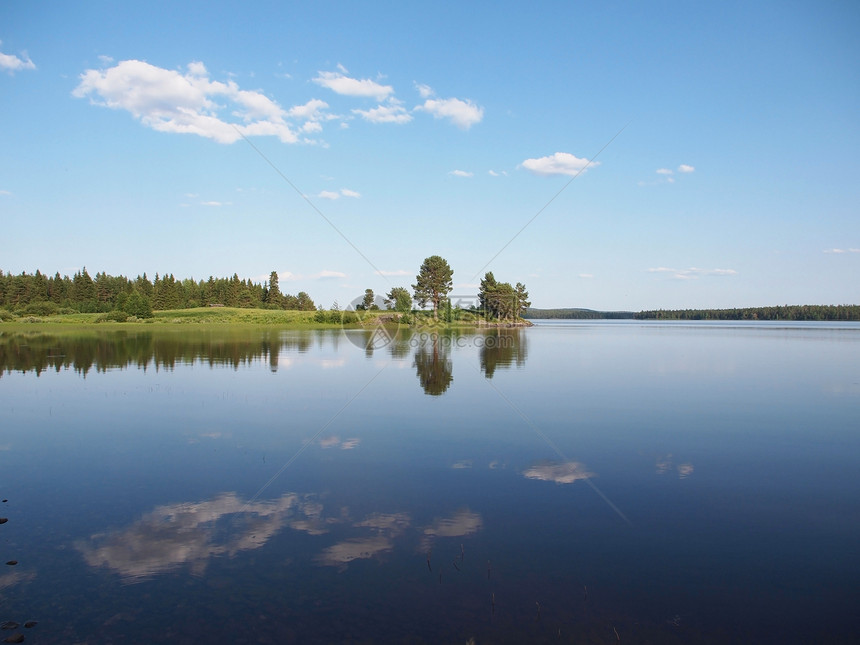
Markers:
{"x": 576, "y": 314}
{"x": 785, "y": 312}
{"x": 496, "y": 300}
{"x": 39, "y": 294}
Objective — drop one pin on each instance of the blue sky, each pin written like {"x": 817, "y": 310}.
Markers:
{"x": 712, "y": 147}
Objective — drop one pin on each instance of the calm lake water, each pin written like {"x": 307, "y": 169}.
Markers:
{"x": 588, "y": 482}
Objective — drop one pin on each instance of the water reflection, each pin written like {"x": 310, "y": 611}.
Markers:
{"x": 560, "y": 473}
{"x": 503, "y": 348}
{"x": 385, "y": 526}
{"x": 191, "y": 533}
{"x": 103, "y": 350}
{"x": 432, "y": 352}
{"x": 665, "y": 464}
{"x": 433, "y": 365}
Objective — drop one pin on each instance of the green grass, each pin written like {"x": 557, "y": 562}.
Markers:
{"x": 206, "y": 316}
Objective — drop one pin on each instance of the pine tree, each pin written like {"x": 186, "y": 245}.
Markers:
{"x": 433, "y": 282}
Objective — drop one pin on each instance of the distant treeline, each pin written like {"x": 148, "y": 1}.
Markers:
{"x": 786, "y": 312}
{"x": 577, "y": 314}
{"x": 39, "y": 294}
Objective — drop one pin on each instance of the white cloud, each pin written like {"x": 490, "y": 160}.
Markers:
{"x": 461, "y": 173}
{"x": 390, "y": 112}
{"x": 842, "y": 250}
{"x": 424, "y": 90}
{"x": 325, "y": 273}
{"x": 340, "y": 83}
{"x": 561, "y": 163}
{"x": 311, "y": 111}
{"x": 493, "y": 173}
{"x": 398, "y": 272}
{"x": 685, "y": 168}
{"x": 12, "y": 63}
{"x": 344, "y": 192}
{"x": 5, "y": 192}
{"x": 169, "y": 101}
{"x": 586, "y": 276}
{"x": 211, "y": 203}
{"x": 693, "y": 273}
{"x": 664, "y": 171}
{"x": 463, "y": 114}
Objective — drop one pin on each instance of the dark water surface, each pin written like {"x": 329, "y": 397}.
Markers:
{"x": 594, "y": 482}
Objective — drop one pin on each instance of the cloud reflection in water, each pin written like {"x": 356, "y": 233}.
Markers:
{"x": 192, "y": 532}
{"x": 563, "y": 473}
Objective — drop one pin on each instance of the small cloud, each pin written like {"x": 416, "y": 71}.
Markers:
{"x": 312, "y": 110}
{"x": 346, "y": 192}
{"x": 664, "y": 171}
{"x": 326, "y": 274}
{"x": 390, "y": 112}
{"x": 692, "y": 273}
{"x": 839, "y": 251}
{"x": 463, "y": 114}
{"x": 328, "y": 194}
{"x": 560, "y": 163}
{"x": 12, "y": 63}
{"x": 586, "y": 276}
{"x": 685, "y": 168}
{"x": 339, "y": 83}
{"x": 216, "y": 204}
{"x": 424, "y": 90}
{"x": 461, "y": 173}
{"x": 105, "y": 60}
{"x": 5, "y": 192}
{"x": 398, "y": 272}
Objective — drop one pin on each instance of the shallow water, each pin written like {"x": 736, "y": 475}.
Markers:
{"x": 572, "y": 482}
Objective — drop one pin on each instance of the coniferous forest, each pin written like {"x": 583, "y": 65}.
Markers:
{"x": 39, "y": 294}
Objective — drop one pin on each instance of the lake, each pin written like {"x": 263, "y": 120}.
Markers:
{"x": 587, "y": 482}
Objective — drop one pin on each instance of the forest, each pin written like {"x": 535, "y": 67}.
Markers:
{"x": 784, "y": 312}
{"x": 575, "y": 314}
{"x": 38, "y": 294}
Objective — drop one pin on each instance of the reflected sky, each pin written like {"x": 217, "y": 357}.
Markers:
{"x": 193, "y": 532}
{"x": 300, "y": 477}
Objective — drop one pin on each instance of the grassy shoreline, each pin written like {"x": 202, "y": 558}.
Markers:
{"x": 231, "y": 316}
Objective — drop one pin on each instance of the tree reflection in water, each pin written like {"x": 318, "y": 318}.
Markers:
{"x": 432, "y": 362}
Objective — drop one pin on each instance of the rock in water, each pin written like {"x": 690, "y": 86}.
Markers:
{"x": 14, "y": 638}
{"x": 3, "y": 520}
{"x": 30, "y": 623}
{"x": 9, "y": 624}
{"x": 12, "y": 563}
